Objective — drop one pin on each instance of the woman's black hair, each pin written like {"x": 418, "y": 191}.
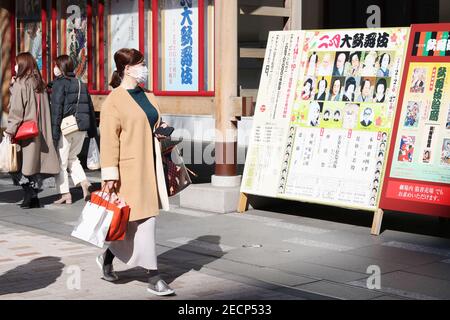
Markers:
{"x": 383, "y": 82}
{"x": 333, "y": 81}
{"x": 313, "y": 54}
{"x": 323, "y": 79}
{"x": 382, "y": 56}
{"x": 309, "y": 80}
{"x": 363, "y": 82}
{"x": 350, "y": 81}
{"x": 356, "y": 53}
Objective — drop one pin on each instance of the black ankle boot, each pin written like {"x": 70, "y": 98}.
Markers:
{"x": 28, "y": 194}
{"x": 34, "y": 200}
{"x": 34, "y": 203}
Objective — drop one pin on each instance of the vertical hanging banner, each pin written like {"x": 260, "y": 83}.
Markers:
{"x": 179, "y": 45}
{"x": 418, "y": 174}
{"x": 74, "y": 26}
{"x": 327, "y": 143}
{"x": 124, "y": 15}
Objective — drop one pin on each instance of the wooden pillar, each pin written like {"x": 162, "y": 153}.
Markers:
{"x": 6, "y": 42}
{"x": 296, "y": 14}
{"x": 226, "y": 74}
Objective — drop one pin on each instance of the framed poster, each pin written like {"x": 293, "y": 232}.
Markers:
{"x": 418, "y": 174}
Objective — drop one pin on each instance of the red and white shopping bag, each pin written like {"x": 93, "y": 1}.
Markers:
{"x": 93, "y": 224}
{"x": 120, "y": 210}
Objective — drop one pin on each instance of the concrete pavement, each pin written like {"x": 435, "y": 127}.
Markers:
{"x": 262, "y": 254}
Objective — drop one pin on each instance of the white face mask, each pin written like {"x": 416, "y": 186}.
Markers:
{"x": 16, "y": 68}
{"x": 138, "y": 72}
{"x": 56, "y": 71}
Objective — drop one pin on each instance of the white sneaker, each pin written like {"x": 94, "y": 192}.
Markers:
{"x": 161, "y": 288}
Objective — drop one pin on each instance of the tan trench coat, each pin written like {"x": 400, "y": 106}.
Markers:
{"x": 38, "y": 154}
{"x": 126, "y": 154}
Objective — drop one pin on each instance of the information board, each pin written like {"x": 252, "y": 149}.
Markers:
{"x": 418, "y": 175}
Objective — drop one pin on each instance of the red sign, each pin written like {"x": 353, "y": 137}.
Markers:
{"x": 422, "y": 197}
{"x": 418, "y": 192}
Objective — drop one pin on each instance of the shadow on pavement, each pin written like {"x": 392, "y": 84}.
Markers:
{"x": 176, "y": 262}
{"x": 77, "y": 195}
{"x": 12, "y": 196}
{"x": 395, "y": 221}
{"x": 36, "y": 274}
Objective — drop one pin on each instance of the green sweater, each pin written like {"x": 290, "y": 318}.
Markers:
{"x": 139, "y": 96}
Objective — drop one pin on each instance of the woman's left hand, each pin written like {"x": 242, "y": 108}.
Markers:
{"x": 160, "y": 136}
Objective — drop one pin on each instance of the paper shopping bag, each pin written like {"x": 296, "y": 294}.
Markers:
{"x": 93, "y": 224}
{"x": 9, "y": 156}
{"x": 13, "y": 158}
{"x": 120, "y": 210}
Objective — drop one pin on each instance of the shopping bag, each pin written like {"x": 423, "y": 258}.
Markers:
{"x": 9, "y": 156}
{"x": 120, "y": 210}
{"x": 4, "y": 155}
{"x": 93, "y": 158}
{"x": 93, "y": 224}
{"x": 175, "y": 172}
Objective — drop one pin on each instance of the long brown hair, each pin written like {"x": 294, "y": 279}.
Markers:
{"x": 122, "y": 58}
{"x": 27, "y": 68}
{"x": 65, "y": 64}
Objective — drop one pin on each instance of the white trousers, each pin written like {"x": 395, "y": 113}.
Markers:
{"x": 69, "y": 148}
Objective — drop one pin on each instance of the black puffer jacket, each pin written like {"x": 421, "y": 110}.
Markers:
{"x": 64, "y": 98}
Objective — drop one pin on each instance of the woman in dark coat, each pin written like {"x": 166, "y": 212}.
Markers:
{"x": 70, "y": 97}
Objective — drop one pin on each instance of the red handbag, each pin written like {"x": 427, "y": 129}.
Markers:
{"x": 29, "y": 129}
{"x": 120, "y": 210}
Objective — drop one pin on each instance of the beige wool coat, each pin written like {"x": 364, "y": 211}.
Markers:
{"x": 38, "y": 154}
{"x": 126, "y": 154}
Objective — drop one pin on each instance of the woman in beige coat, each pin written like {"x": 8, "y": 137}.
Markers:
{"x": 131, "y": 165}
{"x": 38, "y": 156}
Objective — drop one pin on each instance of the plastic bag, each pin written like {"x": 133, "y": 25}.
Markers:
{"x": 93, "y": 158}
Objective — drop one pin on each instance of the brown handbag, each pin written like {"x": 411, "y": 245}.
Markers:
{"x": 175, "y": 172}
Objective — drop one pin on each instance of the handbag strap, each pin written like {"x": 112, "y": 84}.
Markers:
{"x": 38, "y": 111}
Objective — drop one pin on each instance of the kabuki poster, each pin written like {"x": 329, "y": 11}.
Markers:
{"x": 339, "y": 118}
{"x": 418, "y": 173}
